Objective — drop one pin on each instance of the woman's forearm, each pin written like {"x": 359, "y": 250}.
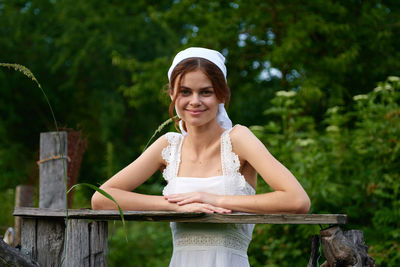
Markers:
{"x": 130, "y": 201}
{"x": 273, "y": 202}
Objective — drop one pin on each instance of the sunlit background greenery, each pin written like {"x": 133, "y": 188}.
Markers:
{"x": 317, "y": 81}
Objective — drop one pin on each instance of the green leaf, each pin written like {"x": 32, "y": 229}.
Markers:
{"x": 104, "y": 193}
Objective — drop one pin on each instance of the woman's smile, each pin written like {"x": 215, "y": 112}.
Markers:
{"x": 195, "y": 112}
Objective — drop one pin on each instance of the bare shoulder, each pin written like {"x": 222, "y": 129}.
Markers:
{"x": 161, "y": 142}
{"x": 245, "y": 143}
{"x": 156, "y": 148}
{"x": 241, "y": 135}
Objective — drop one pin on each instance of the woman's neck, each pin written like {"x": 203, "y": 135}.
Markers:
{"x": 201, "y": 138}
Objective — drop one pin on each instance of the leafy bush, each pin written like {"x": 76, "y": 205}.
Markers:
{"x": 348, "y": 163}
{"x": 149, "y": 244}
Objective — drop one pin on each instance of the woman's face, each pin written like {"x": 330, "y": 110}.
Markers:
{"x": 196, "y": 102}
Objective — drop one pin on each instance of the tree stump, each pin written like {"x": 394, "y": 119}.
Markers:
{"x": 345, "y": 249}
{"x": 10, "y": 256}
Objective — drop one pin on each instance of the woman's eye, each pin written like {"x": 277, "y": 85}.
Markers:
{"x": 207, "y": 92}
{"x": 185, "y": 92}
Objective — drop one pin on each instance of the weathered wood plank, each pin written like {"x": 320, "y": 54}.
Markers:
{"x": 164, "y": 216}
{"x": 49, "y": 241}
{"x": 98, "y": 233}
{"x": 43, "y": 240}
{"x": 52, "y": 183}
{"x": 78, "y": 244}
{"x": 28, "y": 237}
{"x": 23, "y": 198}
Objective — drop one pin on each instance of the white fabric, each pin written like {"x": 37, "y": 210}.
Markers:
{"x": 197, "y": 244}
{"x": 211, "y": 55}
{"x": 222, "y": 119}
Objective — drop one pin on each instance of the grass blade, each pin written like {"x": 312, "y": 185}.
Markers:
{"x": 104, "y": 193}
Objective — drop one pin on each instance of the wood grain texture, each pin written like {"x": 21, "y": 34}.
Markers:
{"x": 345, "y": 248}
{"x": 313, "y": 261}
{"x": 87, "y": 243}
{"x": 23, "y": 198}
{"x": 28, "y": 237}
{"x": 49, "y": 241}
{"x": 78, "y": 244}
{"x": 52, "y": 183}
{"x": 98, "y": 233}
{"x": 164, "y": 216}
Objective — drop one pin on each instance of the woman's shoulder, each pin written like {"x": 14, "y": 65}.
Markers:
{"x": 243, "y": 140}
{"x": 240, "y": 132}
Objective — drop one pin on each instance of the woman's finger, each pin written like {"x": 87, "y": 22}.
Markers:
{"x": 180, "y": 200}
{"x": 177, "y": 198}
{"x": 217, "y": 209}
{"x": 187, "y": 201}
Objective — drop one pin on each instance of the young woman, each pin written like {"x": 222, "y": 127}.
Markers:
{"x": 210, "y": 167}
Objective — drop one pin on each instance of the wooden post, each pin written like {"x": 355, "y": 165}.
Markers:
{"x": 78, "y": 244}
{"x": 23, "y": 198}
{"x": 49, "y": 241}
{"x": 98, "y": 243}
{"x": 43, "y": 239}
{"x": 87, "y": 243}
{"x": 52, "y": 170}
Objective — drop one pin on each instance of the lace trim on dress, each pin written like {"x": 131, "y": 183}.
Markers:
{"x": 230, "y": 168}
{"x": 171, "y": 155}
{"x": 226, "y": 240}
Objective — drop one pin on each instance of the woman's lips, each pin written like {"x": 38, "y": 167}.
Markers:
{"x": 194, "y": 112}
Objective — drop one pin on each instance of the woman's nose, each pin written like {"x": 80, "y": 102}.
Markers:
{"x": 195, "y": 100}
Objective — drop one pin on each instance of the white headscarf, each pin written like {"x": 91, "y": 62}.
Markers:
{"x": 219, "y": 60}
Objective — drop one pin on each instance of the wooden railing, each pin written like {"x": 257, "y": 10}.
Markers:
{"x": 42, "y": 235}
{"x": 167, "y": 216}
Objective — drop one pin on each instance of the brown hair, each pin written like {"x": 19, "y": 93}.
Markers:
{"x": 221, "y": 89}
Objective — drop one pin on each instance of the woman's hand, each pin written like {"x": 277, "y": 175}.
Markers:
{"x": 196, "y": 202}
{"x": 193, "y": 197}
{"x": 201, "y": 207}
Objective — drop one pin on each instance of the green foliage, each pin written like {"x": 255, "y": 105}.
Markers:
{"x": 149, "y": 245}
{"x": 349, "y": 167}
{"x": 7, "y": 206}
{"x": 276, "y": 245}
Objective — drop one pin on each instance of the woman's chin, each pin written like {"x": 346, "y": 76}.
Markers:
{"x": 193, "y": 122}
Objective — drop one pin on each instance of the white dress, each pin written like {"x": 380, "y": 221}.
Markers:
{"x": 206, "y": 244}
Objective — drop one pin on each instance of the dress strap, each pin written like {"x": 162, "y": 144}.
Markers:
{"x": 172, "y": 155}
{"x": 229, "y": 160}
{"x": 236, "y": 183}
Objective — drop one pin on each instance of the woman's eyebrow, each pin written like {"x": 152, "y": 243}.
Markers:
{"x": 203, "y": 88}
